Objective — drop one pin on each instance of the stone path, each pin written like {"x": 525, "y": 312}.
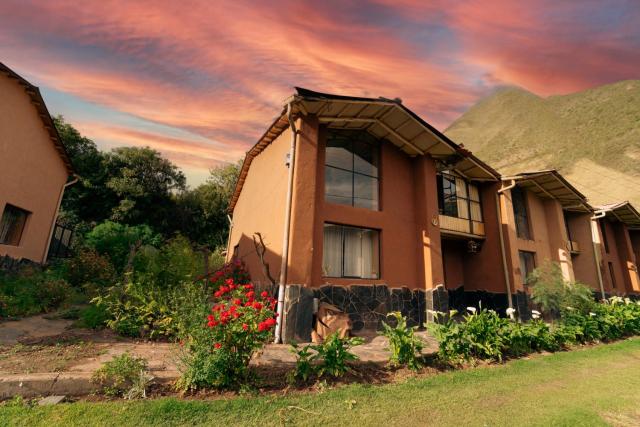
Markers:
{"x": 162, "y": 357}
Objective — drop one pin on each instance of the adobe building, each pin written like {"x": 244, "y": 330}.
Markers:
{"x": 617, "y": 239}
{"x": 34, "y": 170}
{"x": 546, "y": 219}
{"x": 386, "y": 213}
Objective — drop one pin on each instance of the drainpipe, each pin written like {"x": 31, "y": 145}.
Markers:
{"x": 45, "y": 255}
{"x": 594, "y": 230}
{"x": 229, "y": 235}
{"x": 502, "y": 249}
{"x": 287, "y": 224}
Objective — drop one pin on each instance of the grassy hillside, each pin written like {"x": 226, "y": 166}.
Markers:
{"x": 592, "y": 137}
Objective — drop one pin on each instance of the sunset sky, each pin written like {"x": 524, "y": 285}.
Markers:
{"x": 200, "y": 80}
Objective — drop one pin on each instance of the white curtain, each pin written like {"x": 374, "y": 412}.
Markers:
{"x": 352, "y": 252}
{"x": 332, "y": 251}
{"x": 461, "y": 193}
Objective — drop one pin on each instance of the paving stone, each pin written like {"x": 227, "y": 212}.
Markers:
{"x": 51, "y": 400}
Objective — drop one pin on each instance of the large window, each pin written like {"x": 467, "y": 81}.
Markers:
{"x": 521, "y": 213}
{"x": 458, "y": 198}
{"x": 12, "y": 225}
{"x": 351, "y": 169}
{"x": 527, "y": 264}
{"x": 350, "y": 252}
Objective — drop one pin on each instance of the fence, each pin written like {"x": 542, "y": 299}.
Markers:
{"x": 61, "y": 241}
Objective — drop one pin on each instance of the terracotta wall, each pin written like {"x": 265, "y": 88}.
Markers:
{"x": 613, "y": 284}
{"x": 584, "y": 264}
{"x": 261, "y": 208}
{"x": 31, "y": 171}
{"x": 397, "y": 220}
{"x": 627, "y": 259}
{"x": 549, "y": 240}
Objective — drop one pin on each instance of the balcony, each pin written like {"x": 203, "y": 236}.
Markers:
{"x": 574, "y": 248}
{"x": 461, "y": 227}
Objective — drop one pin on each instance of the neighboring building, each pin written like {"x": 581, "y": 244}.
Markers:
{"x": 546, "y": 219}
{"x": 382, "y": 212}
{"x": 34, "y": 169}
{"x": 617, "y": 237}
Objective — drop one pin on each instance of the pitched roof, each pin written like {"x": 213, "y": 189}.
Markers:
{"x": 549, "y": 184}
{"x": 384, "y": 118}
{"x": 623, "y": 212}
{"x": 43, "y": 113}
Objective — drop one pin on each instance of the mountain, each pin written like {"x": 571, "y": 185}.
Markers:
{"x": 592, "y": 137}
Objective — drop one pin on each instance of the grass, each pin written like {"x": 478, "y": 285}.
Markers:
{"x": 592, "y": 386}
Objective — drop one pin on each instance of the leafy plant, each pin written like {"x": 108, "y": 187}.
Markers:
{"x": 552, "y": 293}
{"x": 305, "y": 357}
{"x": 122, "y": 376}
{"x": 331, "y": 357}
{"x": 239, "y": 324}
{"x": 404, "y": 345}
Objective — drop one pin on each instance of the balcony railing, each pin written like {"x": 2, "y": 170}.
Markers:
{"x": 461, "y": 226}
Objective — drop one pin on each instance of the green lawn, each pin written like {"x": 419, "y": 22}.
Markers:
{"x": 594, "y": 386}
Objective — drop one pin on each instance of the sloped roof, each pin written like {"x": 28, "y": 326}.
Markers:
{"x": 43, "y": 113}
{"x": 384, "y": 118}
{"x": 623, "y": 212}
{"x": 550, "y": 184}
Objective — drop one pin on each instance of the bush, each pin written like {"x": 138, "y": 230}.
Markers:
{"x": 93, "y": 317}
{"x": 124, "y": 375}
{"x": 404, "y": 345}
{"x": 217, "y": 353}
{"x": 552, "y": 293}
{"x": 331, "y": 357}
{"x": 88, "y": 269}
{"x": 115, "y": 241}
{"x": 32, "y": 290}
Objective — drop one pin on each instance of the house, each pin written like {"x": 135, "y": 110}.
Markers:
{"x": 381, "y": 210}
{"x": 34, "y": 170}
{"x": 362, "y": 204}
{"x": 617, "y": 239}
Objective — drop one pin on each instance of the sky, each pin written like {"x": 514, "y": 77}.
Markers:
{"x": 200, "y": 81}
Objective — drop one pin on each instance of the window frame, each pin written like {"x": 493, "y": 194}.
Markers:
{"x": 26, "y": 214}
{"x": 378, "y": 259}
{"x": 353, "y": 137}
{"x": 528, "y": 235}
{"x": 440, "y": 177}
{"x": 521, "y": 255}
{"x": 603, "y": 231}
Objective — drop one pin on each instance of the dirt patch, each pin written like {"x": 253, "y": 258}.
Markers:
{"x": 47, "y": 357}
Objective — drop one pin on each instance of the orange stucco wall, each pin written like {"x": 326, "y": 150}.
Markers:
{"x": 549, "y": 240}
{"x": 261, "y": 208}
{"x": 32, "y": 173}
{"x": 584, "y": 263}
{"x": 612, "y": 284}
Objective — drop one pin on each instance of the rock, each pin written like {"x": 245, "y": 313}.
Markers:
{"x": 51, "y": 400}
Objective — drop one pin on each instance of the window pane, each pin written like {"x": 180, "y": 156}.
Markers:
{"x": 365, "y": 158}
{"x": 12, "y": 225}
{"x": 365, "y": 191}
{"x": 332, "y": 251}
{"x": 520, "y": 213}
{"x": 352, "y": 252}
{"x": 338, "y": 152}
{"x": 527, "y": 264}
{"x": 476, "y": 211}
{"x": 338, "y": 186}
{"x": 370, "y": 256}
{"x": 449, "y": 199}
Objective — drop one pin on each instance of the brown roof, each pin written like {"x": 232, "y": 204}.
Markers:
{"x": 41, "y": 108}
{"x": 623, "y": 212}
{"x": 550, "y": 184}
{"x": 384, "y": 118}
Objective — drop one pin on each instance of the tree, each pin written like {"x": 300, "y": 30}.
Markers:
{"x": 144, "y": 182}
{"x": 89, "y": 200}
{"x": 203, "y": 210}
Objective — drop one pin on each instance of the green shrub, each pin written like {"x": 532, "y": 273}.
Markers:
{"x": 331, "y": 357}
{"x": 404, "y": 345}
{"x": 552, "y": 293}
{"x": 88, "y": 269}
{"x": 115, "y": 240}
{"x": 32, "y": 290}
{"x": 217, "y": 354}
{"x": 93, "y": 317}
{"x": 124, "y": 375}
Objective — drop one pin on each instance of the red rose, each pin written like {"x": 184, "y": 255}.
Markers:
{"x": 217, "y": 294}
{"x": 237, "y": 301}
{"x": 264, "y": 294}
{"x": 257, "y": 305}
{"x": 229, "y": 282}
{"x": 217, "y": 345}
{"x": 245, "y": 326}
{"x": 251, "y": 294}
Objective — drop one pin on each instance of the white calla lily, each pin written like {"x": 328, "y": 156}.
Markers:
{"x": 471, "y": 310}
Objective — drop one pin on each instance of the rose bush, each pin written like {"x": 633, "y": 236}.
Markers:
{"x": 240, "y": 323}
